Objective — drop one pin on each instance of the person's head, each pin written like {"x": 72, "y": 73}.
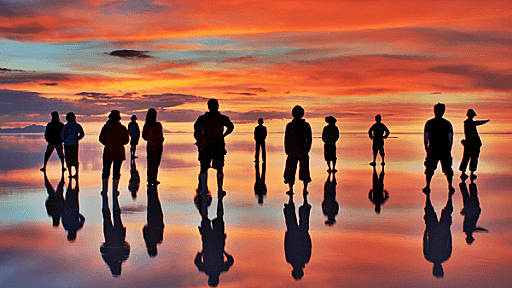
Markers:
{"x": 133, "y": 118}
{"x": 437, "y": 270}
{"x": 151, "y": 115}
{"x": 213, "y": 105}
{"x": 114, "y": 115}
{"x": 378, "y": 118}
{"x": 330, "y": 120}
{"x": 70, "y": 117}
{"x": 260, "y": 121}
{"x": 297, "y": 273}
{"x": 213, "y": 281}
{"x": 55, "y": 116}
{"x": 439, "y": 109}
{"x": 297, "y": 112}
{"x": 471, "y": 113}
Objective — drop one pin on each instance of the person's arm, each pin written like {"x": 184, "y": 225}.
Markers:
{"x": 46, "y": 134}
{"x": 229, "y": 125}
{"x": 481, "y": 122}
{"x": 63, "y": 133}
{"x": 370, "y": 132}
{"x": 450, "y": 139}
{"x": 126, "y": 136}
{"x": 337, "y": 136}
{"x": 198, "y": 262}
{"x": 386, "y": 131}
{"x": 102, "y": 136}
{"x": 81, "y": 133}
{"x": 425, "y": 139}
{"x": 145, "y": 133}
{"x": 309, "y": 138}
{"x": 286, "y": 140}
{"x": 264, "y": 132}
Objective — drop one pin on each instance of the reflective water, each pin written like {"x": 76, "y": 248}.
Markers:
{"x": 336, "y": 238}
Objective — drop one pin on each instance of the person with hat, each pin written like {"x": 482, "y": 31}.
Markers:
{"x": 330, "y": 135}
{"x": 471, "y": 144}
{"x": 133, "y": 129}
{"x": 114, "y": 136}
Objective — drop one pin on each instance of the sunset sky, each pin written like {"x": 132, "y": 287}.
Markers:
{"x": 350, "y": 59}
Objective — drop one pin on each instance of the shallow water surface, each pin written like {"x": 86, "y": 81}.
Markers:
{"x": 362, "y": 248}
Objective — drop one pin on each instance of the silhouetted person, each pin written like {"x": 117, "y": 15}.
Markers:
{"x": 71, "y": 133}
{"x": 297, "y": 144}
{"x": 330, "y": 135}
{"x": 378, "y": 132}
{"x": 153, "y": 232}
{"x": 52, "y": 136}
{"x": 438, "y": 140}
{"x": 133, "y": 129}
{"x": 260, "y": 134}
{"x": 55, "y": 202}
{"x": 260, "y": 188}
{"x": 72, "y": 220}
{"x": 209, "y": 133}
{"x": 115, "y": 250}
{"x": 134, "y": 184}
{"x": 297, "y": 242}
{"x": 211, "y": 259}
{"x": 378, "y": 195}
{"x": 471, "y": 211}
{"x": 471, "y": 144}
{"x": 437, "y": 239}
{"x": 113, "y": 136}
{"x": 330, "y": 206}
{"x": 153, "y": 133}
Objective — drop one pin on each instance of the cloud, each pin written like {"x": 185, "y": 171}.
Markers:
{"x": 480, "y": 78}
{"x": 50, "y": 84}
{"x": 130, "y": 54}
{"x": 12, "y": 76}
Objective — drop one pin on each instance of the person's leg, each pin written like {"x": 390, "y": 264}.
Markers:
{"x": 60, "y": 152}
{"x": 381, "y": 151}
{"x": 304, "y": 173}
{"x": 47, "y": 154}
{"x": 475, "y": 153}
{"x": 430, "y": 168}
{"x": 257, "y": 152}
{"x": 104, "y": 176}
{"x": 464, "y": 164}
{"x": 67, "y": 156}
{"x": 150, "y": 159}
{"x": 290, "y": 170}
{"x": 374, "y": 151}
{"x": 116, "y": 175}
{"x": 156, "y": 163}
{"x": 446, "y": 164}
{"x": 263, "y": 151}
{"x": 218, "y": 164}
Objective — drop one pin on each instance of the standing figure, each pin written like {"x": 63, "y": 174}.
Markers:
{"x": 260, "y": 134}
{"x": 330, "y": 135}
{"x": 378, "y": 132}
{"x": 52, "y": 136}
{"x": 71, "y": 133}
{"x": 133, "y": 129}
{"x": 114, "y": 136}
{"x": 297, "y": 144}
{"x": 210, "y": 134}
{"x": 134, "y": 184}
{"x": 471, "y": 144}
{"x": 55, "y": 202}
{"x": 437, "y": 238}
{"x": 297, "y": 241}
{"x": 153, "y": 231}
{"x": 260, "y": 188}
{"x": 153, "y": 133}
{"x": 438, "y": 140}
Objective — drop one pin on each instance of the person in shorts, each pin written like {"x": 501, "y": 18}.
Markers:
{"x": 209, "y": 133}
{"x": 438, "y": 140}
{"x": 378, "y": 132}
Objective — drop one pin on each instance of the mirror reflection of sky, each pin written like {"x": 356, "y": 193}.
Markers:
{"x": 362, "y": 249}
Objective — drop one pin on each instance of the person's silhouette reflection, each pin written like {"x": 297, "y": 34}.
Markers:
{"x": 55, "y": 202}
{"x": 72, "y": 220}
{"x": 211, "y": 259}
{"x": 330, "y": 206}
{"x": 378, "y": 195}
{"x": 153, "y": 232}
{"x": 260, "y": 188}
{"x": 115, "y": 250}
{"x": 471, "y": 210}
{"x": 134, "y": 183}
{"x": 437, "y": 238}
{"x": 297, "y": 242}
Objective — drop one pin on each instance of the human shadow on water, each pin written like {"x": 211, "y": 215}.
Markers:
{"x": 115, "y": 250}
{"x": 471, "y": 210}
{"x": 72, "y": 220}
{"x": 134, "y": 183}
{"x": 378, "y": 195}
{"x": 297, "y": 242}
{"x": 330, "y": 206}
{"x": 211, "y": 259}
{"x": 55, "y": 201}
{"x": 153, "y": 232}
{"x": 437, "y": 238}
{"x": 260, "y": 188}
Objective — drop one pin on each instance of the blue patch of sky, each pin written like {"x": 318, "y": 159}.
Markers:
{"x": 46, "y": 57}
